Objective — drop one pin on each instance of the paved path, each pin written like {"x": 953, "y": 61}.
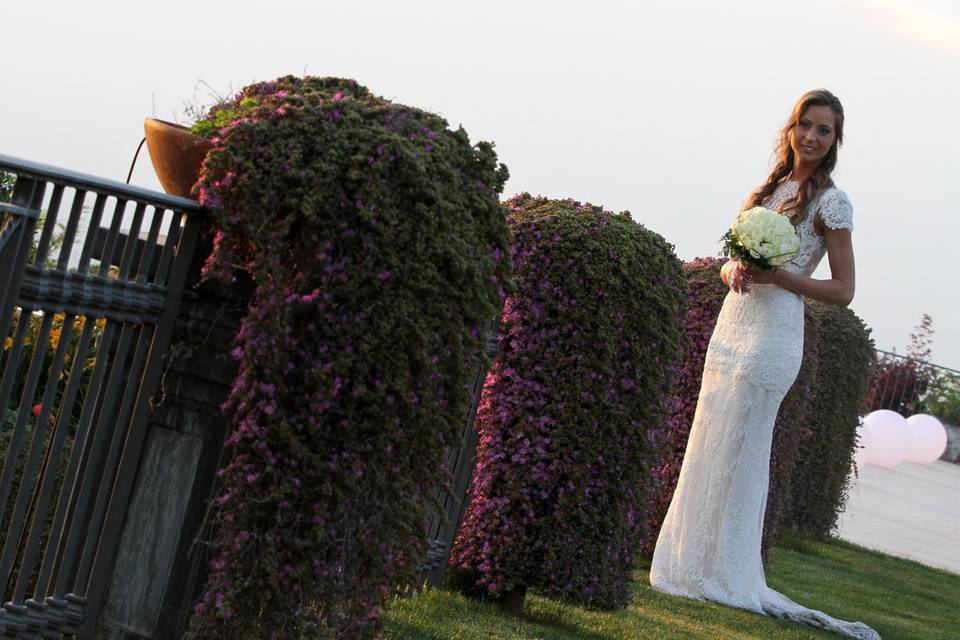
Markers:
{"x": 911, "y": 511}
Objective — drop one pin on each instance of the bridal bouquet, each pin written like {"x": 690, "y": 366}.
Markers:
{"x": 761, "y": 239}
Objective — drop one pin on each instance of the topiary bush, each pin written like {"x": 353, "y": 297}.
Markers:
{"x": 845, "y": 362}
{"x": 379, "y": 252}
{"x": 573, "y": 407}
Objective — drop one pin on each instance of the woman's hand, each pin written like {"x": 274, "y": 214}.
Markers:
{"x": 757, "y": 277}
{"x": 739, "y": 278}
{"x": 730, "y": 275}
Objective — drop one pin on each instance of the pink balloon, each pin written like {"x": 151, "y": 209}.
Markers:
{"x": 928, "y": 439}
{"x": 888, "y": 436}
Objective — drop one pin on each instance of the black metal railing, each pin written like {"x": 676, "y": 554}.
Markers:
{"x": 910, "y": 386}
{"x": 91, "y": 276}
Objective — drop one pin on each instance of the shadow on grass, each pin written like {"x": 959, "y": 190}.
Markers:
{"x": 901, "y": 599}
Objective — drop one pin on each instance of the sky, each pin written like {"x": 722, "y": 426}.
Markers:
{"x": 667, "y": 109}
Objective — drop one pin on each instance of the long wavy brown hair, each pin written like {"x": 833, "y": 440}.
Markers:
{"x": 820, "y": 179}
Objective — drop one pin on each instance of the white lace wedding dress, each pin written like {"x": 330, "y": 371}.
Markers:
{"x": 709, "y": 545}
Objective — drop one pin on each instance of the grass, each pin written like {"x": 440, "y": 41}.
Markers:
{"x": 902, "y": 600}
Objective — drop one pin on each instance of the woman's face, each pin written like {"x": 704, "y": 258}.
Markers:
{"x": 814, "y": 134}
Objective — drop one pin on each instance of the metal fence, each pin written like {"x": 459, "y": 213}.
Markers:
{"x": 91, "y": 276}
{"x": 910, "y": 386}
{"x": 453, "y": 501}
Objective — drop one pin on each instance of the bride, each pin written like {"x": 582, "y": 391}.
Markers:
{"x": 709, "y": 545}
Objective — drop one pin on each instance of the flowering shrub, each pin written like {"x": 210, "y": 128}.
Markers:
{"x": 845, "y": 361}
{"x": 900, "y": 383}
{"x": 572, "y": 407}
{"x": 378, "y": 249}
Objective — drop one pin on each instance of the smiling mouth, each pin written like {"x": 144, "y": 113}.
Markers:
{"x": 808, "y": 148}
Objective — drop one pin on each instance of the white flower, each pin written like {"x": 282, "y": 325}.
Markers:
{"x": 767, "y": 235}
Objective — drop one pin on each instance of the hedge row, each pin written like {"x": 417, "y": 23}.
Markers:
{"x": 379, "y": 250}
{"x": 846, "y": 358}
{"x": 574, "y": 407}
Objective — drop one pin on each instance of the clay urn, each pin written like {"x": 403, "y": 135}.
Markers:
{"x": 176, "y": 155}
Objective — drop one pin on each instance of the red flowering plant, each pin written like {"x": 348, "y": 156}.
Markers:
{"x": 378, "y": 249}
{"x": 573, "y": 407}
{"x": 901, "y": 383}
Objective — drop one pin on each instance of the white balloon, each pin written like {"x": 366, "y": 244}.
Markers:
{"x": 888, "y": 436}
{"x": 928, "y": 438}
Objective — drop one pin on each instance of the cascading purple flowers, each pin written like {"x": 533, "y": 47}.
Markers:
{"x": 573, "y": 406}
{"x": 378, "y": 250}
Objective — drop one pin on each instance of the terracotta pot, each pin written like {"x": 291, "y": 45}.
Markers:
{"x": 176, "y": 155}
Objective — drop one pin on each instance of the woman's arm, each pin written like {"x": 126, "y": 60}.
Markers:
{"x": 838, "y": 289}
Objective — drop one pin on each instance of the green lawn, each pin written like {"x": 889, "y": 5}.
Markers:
{"x": 902, "y": 600}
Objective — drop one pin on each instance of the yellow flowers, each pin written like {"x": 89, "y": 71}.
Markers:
{"x": 56, "y": 330}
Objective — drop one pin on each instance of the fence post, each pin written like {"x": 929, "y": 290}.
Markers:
{"x": 161, "y": 559}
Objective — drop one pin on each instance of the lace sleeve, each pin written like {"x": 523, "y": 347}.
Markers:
{"x": 835, "y": 210}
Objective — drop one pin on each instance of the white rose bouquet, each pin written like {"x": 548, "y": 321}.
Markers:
{"x": 761, "y": 239}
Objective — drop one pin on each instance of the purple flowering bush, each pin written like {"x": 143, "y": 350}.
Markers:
{"x": 572, "y": 408}
{"x": 379, "y": 251}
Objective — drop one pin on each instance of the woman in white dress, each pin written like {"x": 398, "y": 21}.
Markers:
{"x": 709, "y": 545}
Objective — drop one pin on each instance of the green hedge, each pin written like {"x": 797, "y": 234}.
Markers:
{"x": 378, "y": 246}
{"x": 574, "y": 408}
{"x": 790, "y": 431}
{"x": 845, "y": 362}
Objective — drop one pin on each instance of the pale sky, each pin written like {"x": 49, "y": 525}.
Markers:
{"x": 667, "y": 109}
